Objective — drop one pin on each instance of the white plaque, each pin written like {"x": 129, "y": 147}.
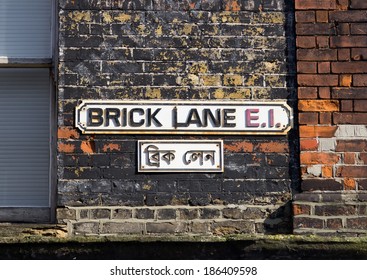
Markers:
{"x": 180, "y": 156}
{"x": 184, "y": 117}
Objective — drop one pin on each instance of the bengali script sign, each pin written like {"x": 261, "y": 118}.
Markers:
{"x": 180, "y": 156}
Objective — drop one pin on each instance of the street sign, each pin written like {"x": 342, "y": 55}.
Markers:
{"x": 183, "y": 117}
{"x": 180, "y": 156}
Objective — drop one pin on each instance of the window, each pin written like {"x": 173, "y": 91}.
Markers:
{"x": 25, "y": 110}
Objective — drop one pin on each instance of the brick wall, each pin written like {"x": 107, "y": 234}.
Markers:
{"x": 193, "y": 49}
{"x": 332, "y": 92}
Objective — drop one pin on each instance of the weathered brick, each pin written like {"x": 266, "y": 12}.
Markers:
{"x": 348, "y": 16}
{"x": 360, "y": 80}
{"x": 188, "y": 214}
{"x": 66, "y": 214}
{"x": 321, "y": 184}
{"x": 233, "y": 227}
{"x": 308, "y": 118}
{"x": 317, "y": 54}
{"x": 352, "y": 171}
{"x": 144, "y": 213}
{"x": 307, "y": 67}
{"x": 166, "y": 227}
{"x": 322, "y": 42}
{"x": 335, "y": 210}
{"x": 334, "y": 224}
{"x": 319, "y": 158}
{"x": 307, "y": 92}
{"x": 324, "y": 92}
{"x": 309, "y": 145}
{"x": 318, "y": 80}
{"x": 100, "y": 213}
{"x": 208, "y": 213}
{"x": 349, "y": 184}
{"x": 345, "y": 80}
{"x": 306, "y": 222}
{"x": 315, "y": 29}
{"x": 318, "y": 105}
{"x": 123, "y": 228}
{"x": 307, "y": 42}
{"x": 358, "y": 4}
{"x": 357, "y": 223}
{"x": 86, "y": 228}
{"x": 348, "y": 67}
{"x": 166, "y": 214}
{"x": 348, "y": 41}
{"x": 350, "y": 118}
{"x": 315, "y": 4}
{"x": 305, "y": 16}
{"x": 322, "y": 16}
{"x": 351, "y": 146}
{"x": 122, "y": 214}
{"x": 67, "y": 133}
{"x": 317, "y": 131}
{"x": 323, "y": 67}
{"x": 301, "y": 209}
{"x": 200, "y": 227}
{"x": 325, "y": 118}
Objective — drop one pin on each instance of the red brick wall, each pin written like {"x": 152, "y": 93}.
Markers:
{"x": 332, "y": 90}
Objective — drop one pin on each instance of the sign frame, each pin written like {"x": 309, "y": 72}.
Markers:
{"x": 192, "y": 156}
{"x": 281, "y": 106}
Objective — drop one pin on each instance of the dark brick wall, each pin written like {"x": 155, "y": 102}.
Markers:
{"x": 150, "y": 49}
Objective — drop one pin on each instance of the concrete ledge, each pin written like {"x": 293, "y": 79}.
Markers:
{"x": 19, "y": 241}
